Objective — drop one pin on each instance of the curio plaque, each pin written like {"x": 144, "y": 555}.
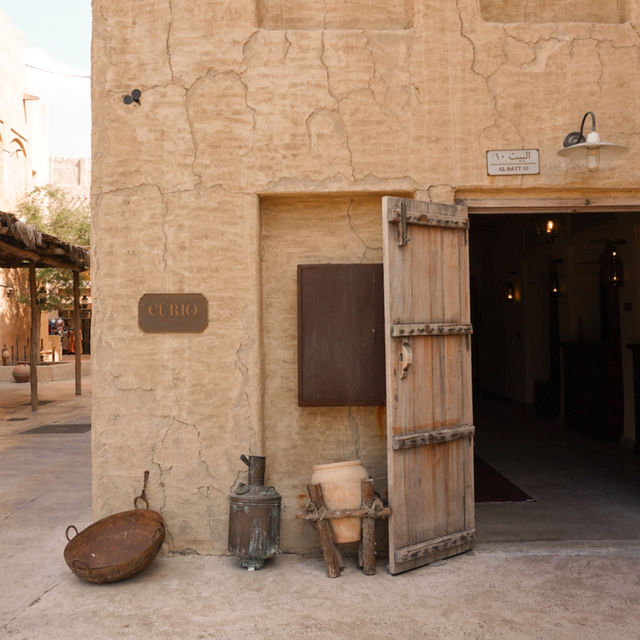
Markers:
{"x": 173, "y": 313}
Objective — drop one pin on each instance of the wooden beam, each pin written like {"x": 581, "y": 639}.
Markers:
{"x": 77, "y": 332}
{"x": 368, "y": 544}
{"x": 34, "y": 358}
{"x": 38, "y": 257}
{"x": 332, "y": 556}
{"x": 337, "y": 514}
{"x": 557, "y": 205}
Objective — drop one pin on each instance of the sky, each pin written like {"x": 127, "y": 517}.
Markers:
{"x": 58, "y": 38}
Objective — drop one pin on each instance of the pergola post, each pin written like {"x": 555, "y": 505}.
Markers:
{"x": 34, "y": 357}
{"x": 77, "y": 328}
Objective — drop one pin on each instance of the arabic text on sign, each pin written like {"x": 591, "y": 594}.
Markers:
{"x": 513, "y": 161}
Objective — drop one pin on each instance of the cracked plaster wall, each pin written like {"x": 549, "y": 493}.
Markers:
{"x": 230, "y": 111}
{"x": 325, "y": 230}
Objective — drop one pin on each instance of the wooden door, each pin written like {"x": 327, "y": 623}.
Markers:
{"x": 428, "y": 377}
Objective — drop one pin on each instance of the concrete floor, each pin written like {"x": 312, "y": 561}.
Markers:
{"x": 584, "y": 489}
{"x": 557, "y": 568}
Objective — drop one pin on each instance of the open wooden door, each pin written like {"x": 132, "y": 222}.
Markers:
{"x": 428, "y": 369}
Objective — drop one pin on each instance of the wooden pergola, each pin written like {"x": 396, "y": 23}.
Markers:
{"x": 23, "y": 246}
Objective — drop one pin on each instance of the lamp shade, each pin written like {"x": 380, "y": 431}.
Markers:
{"x": 607, "y": 149}
{"x": 593, "y": 150}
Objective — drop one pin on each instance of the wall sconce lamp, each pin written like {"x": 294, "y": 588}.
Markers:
{"x": 41, "y": 296}
{"x": 615, "y": 276}
{"x": 554, "y": 284}
{"x": 592, "y": 148}
{"x": 9, "y": 290}
{"x": 548, "y": 228}
{"x": 511, "y": 295}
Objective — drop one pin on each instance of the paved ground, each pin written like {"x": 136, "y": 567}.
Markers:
{"x": 587, "y": 589}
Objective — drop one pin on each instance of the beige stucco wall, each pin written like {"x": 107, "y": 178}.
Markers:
{"x": 249, "y": 109}
{"x": 24, "y": 132}
{"x": 24, "y": 164}
{"x": 338, "y": 229}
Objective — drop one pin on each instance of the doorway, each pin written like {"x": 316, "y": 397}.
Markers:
{"x": 553, "y": 380}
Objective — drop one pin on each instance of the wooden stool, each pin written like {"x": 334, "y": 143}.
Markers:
{"x": 370, "y": 509}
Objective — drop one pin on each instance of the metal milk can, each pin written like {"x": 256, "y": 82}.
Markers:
{"x": 254, "y": 517}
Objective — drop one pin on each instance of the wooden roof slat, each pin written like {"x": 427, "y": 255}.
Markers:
{"x": 21, "y": 243}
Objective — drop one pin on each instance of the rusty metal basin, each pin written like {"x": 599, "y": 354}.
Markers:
{"x": 115, "y": 547}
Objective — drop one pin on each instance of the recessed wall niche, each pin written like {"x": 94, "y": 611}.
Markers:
{"x": 335, "y": 14}
{"x": 603, "y": 11}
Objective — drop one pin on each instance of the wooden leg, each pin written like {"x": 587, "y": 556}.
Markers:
{"x": 368, "y": 544}
{"x": 332, "y": 556}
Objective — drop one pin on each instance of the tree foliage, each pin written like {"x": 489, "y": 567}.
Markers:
{"x": 55, "y": 212}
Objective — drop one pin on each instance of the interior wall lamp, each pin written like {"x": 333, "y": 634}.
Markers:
{"x": 511, "y": 290}
{"x": 592, "y": 148}
{"x": 615, "y": 274}
{"x": 511, "y": 294}
{"x": 554, "y": 283}
{"x": 548, "y": 228}
{"x": 9, "y": 290}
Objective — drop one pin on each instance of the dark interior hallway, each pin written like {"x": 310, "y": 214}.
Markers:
{"x": 583, "y": 488}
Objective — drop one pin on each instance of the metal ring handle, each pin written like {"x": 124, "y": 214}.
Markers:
{"x": 66, "y": 533}
{"x": 135, "y": 502}
{"x": 406, "y": 358}
{"x": 157, "y": 533}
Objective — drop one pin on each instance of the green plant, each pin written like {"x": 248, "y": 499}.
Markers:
{"x": 55, "y": 212}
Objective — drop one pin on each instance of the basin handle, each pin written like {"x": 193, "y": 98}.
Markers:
{"x": 159, "y": 532}
{"x": 135, "y": 502}
{"x": 143, "y": 495}
{"x": 66, "y": 533}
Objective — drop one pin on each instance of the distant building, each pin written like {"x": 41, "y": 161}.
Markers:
{"x": 72, "y": 175}
{"x": 24, "y": 127}
{"x": 24, "y": 164}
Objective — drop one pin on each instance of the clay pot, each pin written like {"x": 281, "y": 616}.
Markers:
{"x": 340, "y": 482}
{"x": 21, "y": 372}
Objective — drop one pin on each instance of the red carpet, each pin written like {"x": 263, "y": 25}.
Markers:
{"x": 492, "y": 486}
